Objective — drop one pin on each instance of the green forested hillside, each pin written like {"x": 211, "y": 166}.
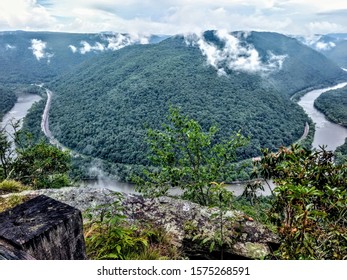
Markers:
{"x": 35, "y": 57}
{"x": 333, "y": 104}
{"x": 7, "y": 100}
{"x": 302, "y": 69}
{"x": 338, "y": 53}
{"x": 337, "y": 48}
{"x": 104, "y": 108}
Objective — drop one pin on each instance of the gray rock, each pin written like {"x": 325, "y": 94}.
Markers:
{"x": 182, "y": 219}
{"x": 44, "y": 228}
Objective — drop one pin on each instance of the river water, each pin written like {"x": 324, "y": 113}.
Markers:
{"x": 19, "y": 111}
{"x": 327, "y": 133}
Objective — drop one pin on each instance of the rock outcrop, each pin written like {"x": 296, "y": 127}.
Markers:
{"x": 182, "y": 219}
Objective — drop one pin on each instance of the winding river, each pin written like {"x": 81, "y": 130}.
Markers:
{"x": 327, "y": 133}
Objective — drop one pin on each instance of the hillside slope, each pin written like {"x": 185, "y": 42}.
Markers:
{"x": 104, "y": 107}
{"x": 303, "y": 68}
{"x": 35, "y": 57}
{"x": 333, "y": 46}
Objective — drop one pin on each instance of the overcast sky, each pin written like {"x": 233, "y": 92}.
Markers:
{"x": 304, "y": 17}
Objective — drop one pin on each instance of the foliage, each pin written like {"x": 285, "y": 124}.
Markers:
{"x": 37, "y": 165}
{"x": 310, "y": 201}
{"x": 259, "y": 210}
{"x": 115, "y": 97}
{"x": 333, "y": 104}
{"x": 341, "y": 154}
{"x": 109, "y": 235}
{"x": 7, "y": 100}
{"x": 223, "y": 203}
{"x": 11, "y": 201}
{"x": 188, "y": 158}
{"x": 11, "y": 186}
{"x": 42, "y": 166}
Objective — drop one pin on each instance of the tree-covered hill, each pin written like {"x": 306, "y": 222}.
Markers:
{"x": 333, "y": 104}
{"x": 35, "y": 57}
{"x": 338, "y": 53}
{"x": 333, "y": 46}
{"x": 302, "y": 68}
{"x": 104, "y": 107}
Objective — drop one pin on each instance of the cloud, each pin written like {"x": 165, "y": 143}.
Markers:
{"x": 173, "y": 16}
{"x": 86, "y": 47}
{"x": 323, "y": 46}
{"x": 39, "y": 50}
{"x": 73, "y": 48}
{"x": 25, "y": 14}
{"x": 9, "y": 47}
{"x": 323, "y": 27}
{"x": 234, "y": 54}
{"x": 111, "y": 42}
{"x": 118, "y": 41}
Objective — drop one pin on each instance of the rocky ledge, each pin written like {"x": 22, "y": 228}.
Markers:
{"x": 181, "y": 219}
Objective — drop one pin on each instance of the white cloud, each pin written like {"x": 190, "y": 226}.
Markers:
{"x": 111, "y": 42}
{"x": 118, "y": 41}
{"x": 24, "y": 14}
{"x": 73, "y": 48}
{"x": 173, "y": 16}
{"x": 325, "y": 46}
{"x": 39, "y": 50}
{"x": 323, "y": 27}
{"x": 86, "y": 47}
{"x": 234, "y": 54}
{"x": 9, "y": 47}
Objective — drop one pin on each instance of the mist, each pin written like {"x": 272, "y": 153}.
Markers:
{"x": 235, "y": 54}
{"x": 111, "y": 42}
{"x": 38, "y": 48}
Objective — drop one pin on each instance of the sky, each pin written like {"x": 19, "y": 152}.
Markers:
{"x": 296, "y": 17}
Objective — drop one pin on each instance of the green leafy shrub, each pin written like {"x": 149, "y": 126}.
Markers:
{"x": 309, "y": 207}
{"x": 187, "y": 157}
{"x": 109, "y": 235}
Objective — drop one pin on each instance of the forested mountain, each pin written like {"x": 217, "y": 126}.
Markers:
{"x": 333, "y": 46}
{"x": 35, "y": 57}
{"x": 333, "y": 104}
{"x": 237, "y": 81}
{"x": 302, "y": 67}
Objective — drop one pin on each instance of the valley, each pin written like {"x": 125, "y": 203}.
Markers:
{"x": 173, "y": 130}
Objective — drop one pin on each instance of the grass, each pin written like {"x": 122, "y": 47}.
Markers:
{"x": 11, "y": 186}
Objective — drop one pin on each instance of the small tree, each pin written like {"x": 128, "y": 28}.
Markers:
{"x": 186, "y": 157}
{"x": 37, "y": 165}
{"x": 42, "y": 166}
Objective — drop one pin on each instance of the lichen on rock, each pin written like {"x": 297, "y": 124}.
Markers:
{"x": 252, "y": 240}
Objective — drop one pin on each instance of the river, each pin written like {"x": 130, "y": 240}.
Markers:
{"x": 327, "y": 133}
{"x": 18, "y": 111}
